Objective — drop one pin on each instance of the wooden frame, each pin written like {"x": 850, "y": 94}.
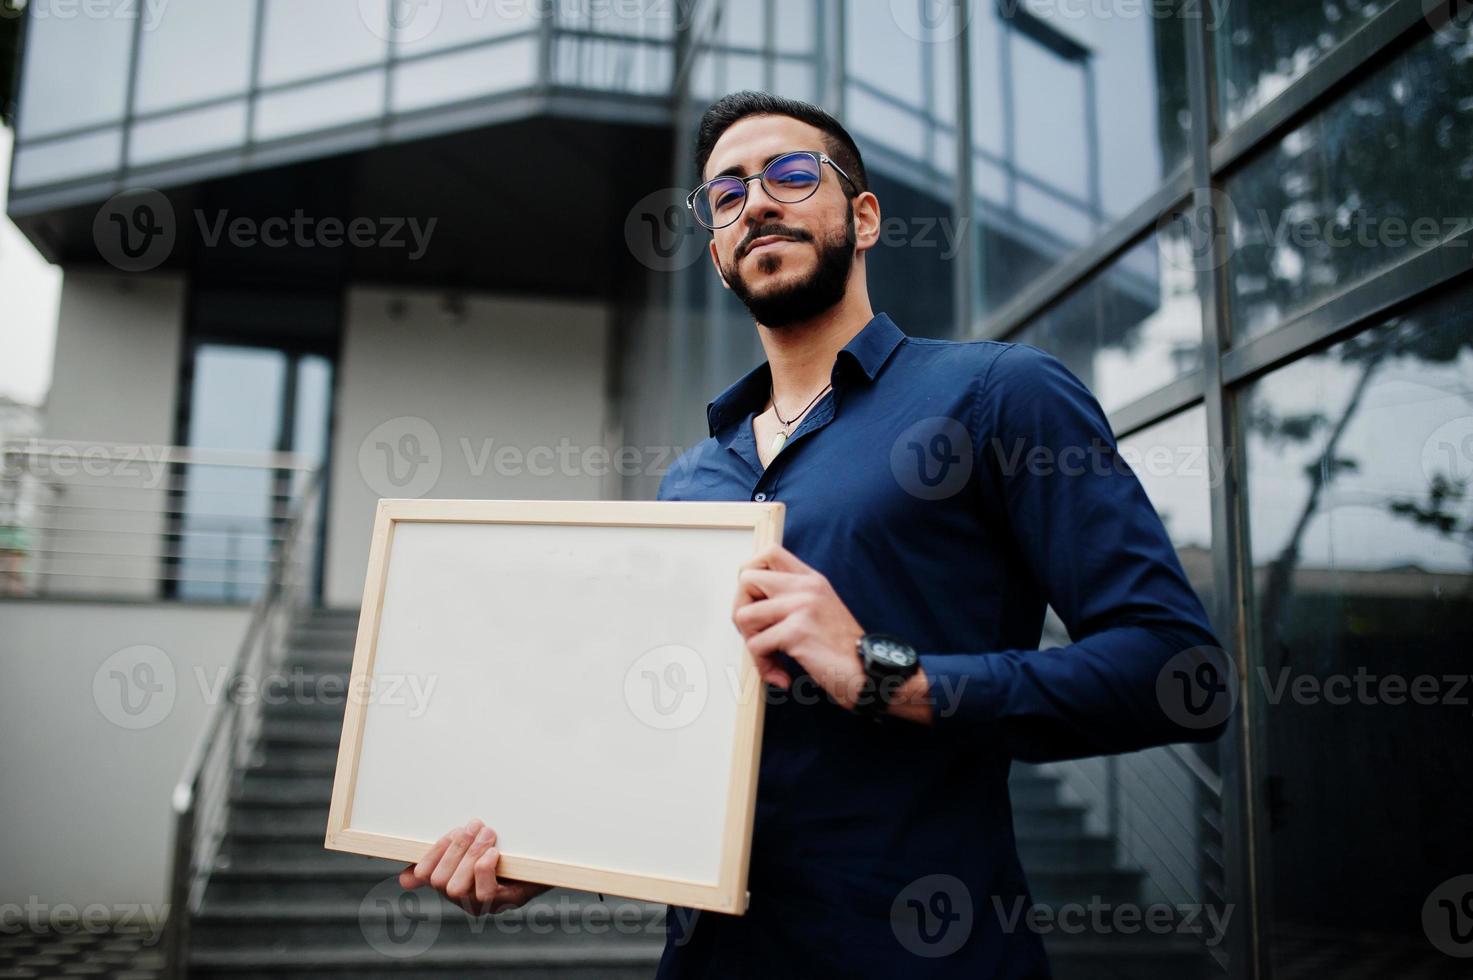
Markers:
{"x": 728, "y": 891}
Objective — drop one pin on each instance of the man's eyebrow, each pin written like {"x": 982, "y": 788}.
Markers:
{"x": 738, "y": 170}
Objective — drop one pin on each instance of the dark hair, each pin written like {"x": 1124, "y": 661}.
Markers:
{"x": 739, "y": 105}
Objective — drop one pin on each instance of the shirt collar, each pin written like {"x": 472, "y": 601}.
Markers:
{"x": 868, "y": 349}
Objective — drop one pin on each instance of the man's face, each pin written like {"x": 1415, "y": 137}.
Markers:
{"x": 785, "y": 262}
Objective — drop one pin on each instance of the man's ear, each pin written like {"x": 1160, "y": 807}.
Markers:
{"x": 867, "y": 221}
{"x": 716, "y": 263}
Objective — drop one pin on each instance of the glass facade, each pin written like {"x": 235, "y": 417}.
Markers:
{"x": 1294, "y": 398}
{"x": 260, "y": 72}
{"x": 1288, "y": 370}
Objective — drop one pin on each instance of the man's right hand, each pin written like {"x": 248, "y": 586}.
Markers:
{"x": 462, "y": 867}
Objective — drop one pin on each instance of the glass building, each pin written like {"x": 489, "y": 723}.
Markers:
{"x": 1245, "y": 226}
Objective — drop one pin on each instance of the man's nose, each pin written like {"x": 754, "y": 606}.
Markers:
{"x": 761, "y": 207}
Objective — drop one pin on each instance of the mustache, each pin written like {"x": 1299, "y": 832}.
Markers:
{"x": 796, "y": 234}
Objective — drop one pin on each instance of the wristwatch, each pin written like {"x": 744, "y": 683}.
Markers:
{"x": 888, "y": 663}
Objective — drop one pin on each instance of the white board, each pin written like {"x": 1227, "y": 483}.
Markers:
{"x": 568, "y": 672}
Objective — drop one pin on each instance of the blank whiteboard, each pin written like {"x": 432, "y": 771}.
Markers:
{"x": 568, "y": 672}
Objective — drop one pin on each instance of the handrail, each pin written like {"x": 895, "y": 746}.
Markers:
{"x": 200, "y": 797}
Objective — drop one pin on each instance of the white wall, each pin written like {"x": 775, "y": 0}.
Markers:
{"x": 115, "y": 381}
{"x": 84, "y": 799}
{"x": 425, "y": 403}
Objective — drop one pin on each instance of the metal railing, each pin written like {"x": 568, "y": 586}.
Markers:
{"x": 147, "y": 522}
{"x": 201, "y": 799}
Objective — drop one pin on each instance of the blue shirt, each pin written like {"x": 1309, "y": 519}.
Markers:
{"x": 949, "y": 491}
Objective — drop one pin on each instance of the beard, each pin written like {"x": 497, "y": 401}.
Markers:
{"x": 794, "y": 302}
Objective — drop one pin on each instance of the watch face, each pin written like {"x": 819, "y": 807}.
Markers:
{"x": 891, "y": 652}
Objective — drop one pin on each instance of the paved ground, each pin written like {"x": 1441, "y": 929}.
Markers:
{"x": 105, "y": 955}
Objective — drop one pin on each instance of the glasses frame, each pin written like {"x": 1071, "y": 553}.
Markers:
{"x": 818, "y": 156}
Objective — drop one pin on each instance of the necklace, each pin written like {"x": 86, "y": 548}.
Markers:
{"x": 781, "y": 439}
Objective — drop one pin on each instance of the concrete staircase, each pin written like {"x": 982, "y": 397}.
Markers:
{"x": 279, "y": 905}
{"x": 1067, "y": 865}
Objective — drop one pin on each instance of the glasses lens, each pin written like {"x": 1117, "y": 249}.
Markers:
{"x": 792, "y": 178}
{"x": 719, "y": 202}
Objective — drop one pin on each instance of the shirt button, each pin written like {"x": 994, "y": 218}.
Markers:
{"x": 760, "y": 497}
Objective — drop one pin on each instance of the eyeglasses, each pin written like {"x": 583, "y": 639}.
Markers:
{"x": 790, "y": 178}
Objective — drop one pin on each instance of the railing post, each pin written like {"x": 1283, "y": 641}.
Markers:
{"x": 176, "y": 945}
{"x": 1112, "y": 800}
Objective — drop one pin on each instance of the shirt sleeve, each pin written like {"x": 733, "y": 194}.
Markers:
{"x": 1082, "y": 525}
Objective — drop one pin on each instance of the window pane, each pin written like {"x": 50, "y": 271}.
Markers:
{"x": 1076, "y": 120}
{"x": 235, "y": 403}
{"x": 1384, "y": 172}
{"x": 1133, "y": 327}
{"x": 430, "y": 27}
{"x": 1261, "y": 48}
{"x": 183, "y": 134}
{"x": 306, "y": 40}
{"x": 1359, "y": 463}
{"x": 66, "y": 159}
{"x": 207, "y": 42}
{"x": 465, "y": 74}
{"x": 54, "y": 95}
{"x": 321, "y": 105}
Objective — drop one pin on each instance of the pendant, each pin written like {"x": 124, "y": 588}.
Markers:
{"x": 777, "y": 442}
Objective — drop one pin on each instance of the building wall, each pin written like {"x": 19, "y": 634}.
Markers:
{"x": 115, "y": 382}
{"x": 506, "y": 400}
{"x": 117, "y": 358}
{"x": 84, "y": 799}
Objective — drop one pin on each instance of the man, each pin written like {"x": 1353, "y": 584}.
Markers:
{"x": 939, "y": 495}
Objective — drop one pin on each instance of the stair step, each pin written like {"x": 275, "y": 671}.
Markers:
{"x": 386, "y": 919}
{"x": 1062, "y": 884}
{"x": 307, "y": 730}
{"x": 1033, "y": 792}
{"x": 1076, "y": 851}
{"x": 268, "y": 819}
{"x": 273, "y": 787}
{"x": 555, "y": 964}
{"x": 1130, "y": 957}
{"x": 1062, "y": 819}
{"x": 319, "y": 760}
